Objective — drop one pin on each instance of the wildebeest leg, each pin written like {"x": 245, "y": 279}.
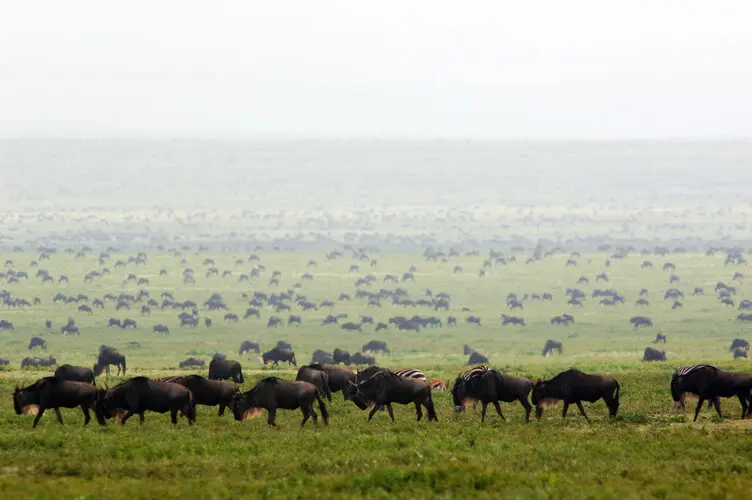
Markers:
{"x": 538, "y": 412}
{"x": 564, "y": 411}
{"x": 87, "y": 417}
{"x": 743, "y": 401}
{"x": 418, "y": 411}
{"x": 697, "y": 410}
{"x": 128, "y": 415}
{"x": 373, "y": 412}
{"x": 391, "y": 412}
{"x": 39, "y": 415}
{"x": 527, "y": 407}
{"x": 221, "y": 409}
{"x": 582, "y": 410}
{"x": 498, "y": 410}
{"x": 305, "y": 415}
{"x": 484, "y": 405}
{"x": 717, "y": 404}
{"x": 174, "y": 416}
{"x": 59, "y": 417}
{"x": 314, "y": 415}
{"x": 271, "y": 416}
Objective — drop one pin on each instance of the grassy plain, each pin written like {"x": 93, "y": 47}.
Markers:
{"x": 649, "y": 451}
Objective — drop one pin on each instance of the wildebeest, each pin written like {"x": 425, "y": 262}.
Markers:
{"x": 573, "y": 386}
{"x": 248, "y": 346}
{"x": 273, "y": 393}
{"x": 192, "y": 362}
{"x": 361, "y": 359}
{"x": 551, "y": 346}
{"x": 710, "y": 383}
{"x": 161, "y": 329}
{"x": 207, "y": 392}
{"x": 37, "y": 362}
{"x": 223, "y": 369}
{"x": 384, "y": 388}
{"x": 4, "y": 361}
{"x": 740, "y": 353}
{"x": 476, "y": 358}
{"x": 37, "y": 342}
{"x": 375, "y": 346}
{"x": 114, "y": 322}
{"x": 284, "y": 345}
{"x": 316, "y": 375}
{"x": 139, "y": 395}
{"x": 341, "y": 356}
{"x": 350, "y": 326}
{"x": 54, "y": 393}
{"x": 322, "y": 357}
{"x": 466, "y": 349}
{"x": 129, "y": 323}
{"x": 641, "y": 321}
{"x": 739, "y": 344}
{"x": 109, "y": 356}
{"x": 659, "y": 338}
{"x": 75, "y": 373}
{"x": 490, "y": 386}
{"x": 653, "y": 354}
{"x": 340, "y": 379}
{"x": 279, "y": 354}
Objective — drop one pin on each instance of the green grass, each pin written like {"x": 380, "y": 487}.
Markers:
{"x": 651, "y": 450}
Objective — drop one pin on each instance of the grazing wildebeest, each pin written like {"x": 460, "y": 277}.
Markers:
{"x": 376, "y": 346}
{"x": 207, "y": 392}
{"x": 551, "y": 346}
{"x": 272, "y": 393}
{"x": 473, "y": 320}
{"x": 361, "y": 359}
{"x": 350, "y": 326}
{"x": 340, "y": 379}
{"x": 279, "y": 354}
{"x": 192, "y": 362}
{"x": 284, "y": 345}
{"x": 109, "y": 356}
{"x": 710, "y": 383}
{"x": 341, "y": 356}
{"x": 37, "y": 342}
{"x": 55, "y": 393}
{"x": 161, "y": 329}
{"x": 476, "y": 357}
{"x": 562, "y": 319}
{"x": 252, "y": 311}
{"x": 48, "y": 324}
{"x": 70, "y": 329}
{"x": 231, "y": 317}
{"x": 490, "y": 386}
{"x": 75, "y": 373}
{"x": 37, "y": 362}
{"x": 322, "y": 357}
{"x": 451, "y": 321}
{"x": 223, "y": 369}
{"x": 316, "y": 375}
{"x": 641, "y": 321}
{"x": 4, "y": 361}
{"x": 653, "y": 354}
{"x": 739, "y": 344}
{"x": 466, "y": 349}
{"x": 207, "y": 322}
{"x": 740, "y": 353}
{"x": 384, "y": 388}
{"x": 129, "y": 323}
{"x": 294, "y": 319}
{"x": 659, "y": 338}
{"x": 248, "y": 346}
{"x": 139, "y": 395}
{"x": 573, "y": 386}
{"x": 114, "y": 322}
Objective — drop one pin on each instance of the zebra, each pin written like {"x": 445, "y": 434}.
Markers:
{"x": 412, "y": 373}
{"x": 474, "y": 372}
{"x": 683, "y": 371}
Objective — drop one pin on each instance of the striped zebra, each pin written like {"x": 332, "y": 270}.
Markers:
{"x": 474, "y": 372}
{"x": 686, "y": 370}
{"x": 412, "y": 373}
{"x": 679, "y": 392}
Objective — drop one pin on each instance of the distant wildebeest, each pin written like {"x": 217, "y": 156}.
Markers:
{"x": 659, "y": 338}
{"x": 316, "y": 375}
{"x": 744, "y": 317}
{"x": 341, "y": 356}
{"x": 48, "y": 324}
{"x": 476, "y": 358}
{"x": 207, "y": 392}
{"x": 284, "y": 345}
{"x": 4, "y": 361}
{"x": 384, "y": 388}
{"x": 161, "y": 329}
{"x": 75, "y": 373}
{"x": 224, "y": 369}
{"x": 252, "y": 311}
{"x": 274, "y": 322}
{"x": 273, "y": 393}
{"x": 451, "y": 321}
{"x": 709, "y": 383}
{"x": 231, "y": 317}
{"x": 114, "y": 322}
{"x": 109, "y": 356}
{"x": 55, "y": 393}
{"x": 562, "y": 319}
{"x": 551, "y": 346}
{"x": 490, "y": 386}
{"x": 359, "y": 359}
{"x": 322, "y": 357}
{"x": 70, "y": 329}
{"x": 574, "y": 386}
{"x": 37, "y": 342}
{"x": 294, "y": 319}
{"x": 192, "y": 363}
{"x": 740, "y": 353}
{"x": 375, "y": 346}
{"x": 473, "y": 320}
{"x": 38, "y": 362}
{"x": 739, "y": 344}
{"x": 352, "y": 326}
{"x": 85, "y": 308}
{"x": 139, "y": 395}
{"x": 248, "y": 346}
{"x": 279, "y": 354}
{"x": 641, "y": 321}
{"x": 511, "y": 320}
{"x": 466, "y": 349}
{"x": 653, "y": 354}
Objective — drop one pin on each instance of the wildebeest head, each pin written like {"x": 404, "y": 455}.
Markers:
{"x": 676, "y": 394}
{"x": 541, "y": 395}
{"x": 98, "y": 369}
{"x": 459, "y": 393}
{"x": 245, "y": 406}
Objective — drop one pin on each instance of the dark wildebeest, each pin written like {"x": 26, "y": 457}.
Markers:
{"x": 476, "y": 358}
{"x": 75, "y": 373}
{"x": 340, "y": 379}
{"x": 272, "y": 393}
{"x": 341, "y": 356}
{"x": 551, "y": 346}
{"x": 573, "y": 386}
{"x": 739, "y": 344}
{"x": 248, "y": 346}
{"x": 316, "y": 375}
{"x": 284, "y": 345}
{"x": 48, "y": 324}
{"x": 384, "y": 388}
{"x": 641, "y": 321}
{"x": 4, "y": 361}
{"x": 710, "y": 383}
{"x": 114, "y": 322}
{"x": 653, "y": 354}
{"x": 139, "y": 395}
{"x": 37, "y": 342}
{"x": 52, "y": 392}
{"x": 740, "y": 353}
{"x": 361, "y": 359}
{"x": 207, "y": 322}
{"x": 129, "y": 323}
{"x": 108, "y": 356}
{"x": 161, "y": 329}
{"x": 659, "y": 338}
{"x": 490, "y": 386}
{"x": 376, "y": 346}
{"x": 223, "y": 369}
{"x": 322, "y": 357}
{"x": 37, "y": 362}
{"x": 352, "y": 326}
{"x": 466, "y": 349}
{"x": 279, "y": 354}
{"x": 207, "y": 392}
{"x": 192, "y": 362}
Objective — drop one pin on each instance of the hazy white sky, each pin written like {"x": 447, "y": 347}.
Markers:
{"x": 408, "y": 68}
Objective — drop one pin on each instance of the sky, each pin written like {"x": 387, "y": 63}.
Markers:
{"x": 436, "y": 69}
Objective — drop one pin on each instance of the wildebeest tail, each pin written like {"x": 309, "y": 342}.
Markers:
{"x": 123, "y": 365}
{"x": 322, "y": 408}
{"x": 430, "y": 408}
{"x": 616, "y": 392}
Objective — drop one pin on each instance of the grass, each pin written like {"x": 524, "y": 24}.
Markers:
{"x": 651, "y": 450}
